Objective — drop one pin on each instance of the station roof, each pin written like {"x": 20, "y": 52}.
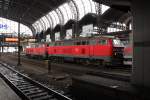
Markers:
{"x": 70, "y": 10}
{"x": 123, "y": 5}
{"x": 28, "y": 10}
{"x": 40, "y": 15}
{"x": 90, "y": 18}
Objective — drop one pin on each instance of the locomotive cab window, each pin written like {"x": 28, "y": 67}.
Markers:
{"x": 56, "y": 44}
{"x": 103, "y": 42}
{"x": 68, "y": 43}
{"x": 87, "y": 42}
{"x": 92, "y": 42}
{"x": 78, "y": 43}
{"x": 51, "y": 44}
{"x": 60, "y": 44}
{"x": 83, "y": 42}
{"x": 117, "y": 42}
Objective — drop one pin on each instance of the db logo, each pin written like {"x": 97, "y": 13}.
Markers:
{"x": 76, "y": 50}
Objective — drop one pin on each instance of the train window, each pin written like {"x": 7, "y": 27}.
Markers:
{"x": 117, "y": 42}
{"x": 60, "y": 43}
{"x": 83, "y": 42}
{"x": 92, "y": 42}
{"x": 87, "y": 42}
{"x": 67, "y": 43}
{"x": 43, "y": 45}
{"x": 103, "y": 42}
{"x": 78, "y": 43}
{"x": 51, "y": 44}
{"x": 56, "y": 44}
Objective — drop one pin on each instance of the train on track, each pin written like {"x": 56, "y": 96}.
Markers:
{"x": 103, "y": 50}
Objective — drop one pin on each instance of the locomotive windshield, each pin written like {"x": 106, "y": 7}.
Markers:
{"x": 117, "y": 43}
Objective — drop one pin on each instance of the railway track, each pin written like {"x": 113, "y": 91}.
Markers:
{"x": 114, "y": 72}
{"x": 27, "y": 88}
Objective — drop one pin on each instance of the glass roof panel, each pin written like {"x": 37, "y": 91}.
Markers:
{"x": 39, "y": 26}
{"x": 64, "y": 12}
{"x": 104, "y": 8}
{"x": 50, "y": 20}
{"x": 88, "y": 6}
{"x": 81, "y": 8}
{"x": 60, "y": 15}
{"x": 9, "y": 26}
{"x": 46, "y": 22}
{"x": 42, "y": 24}
{"x": 68, "y": 11}
{"x": 93, "y": 5}
{"x": 55, "y": 18}
{"x": 35, "y": 26}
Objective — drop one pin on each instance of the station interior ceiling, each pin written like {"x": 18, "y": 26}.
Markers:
{"x": 29, "y": 11}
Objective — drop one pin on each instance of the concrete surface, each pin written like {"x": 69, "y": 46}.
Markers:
{"x": 6, "y": 93}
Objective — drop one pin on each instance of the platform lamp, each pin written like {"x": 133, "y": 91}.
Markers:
{"x": 19, "y": 47}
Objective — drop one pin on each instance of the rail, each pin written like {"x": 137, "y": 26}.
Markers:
{"x": 27, "y": 88}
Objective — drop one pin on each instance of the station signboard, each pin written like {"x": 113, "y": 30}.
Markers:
{"x": 68, "y": 34}
{"x": 32, "y": 40}
{"x": 57, "y": 36}
{"x": 87, "y": 30}
{"x": 48, "y": 39}
{"x": 11, "y": 39}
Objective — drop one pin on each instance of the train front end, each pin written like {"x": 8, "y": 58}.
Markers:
{"x": 117, "y": 54}
{"x": 128, "y": 55}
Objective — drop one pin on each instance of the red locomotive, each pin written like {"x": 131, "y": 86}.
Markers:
{"x": 98, "y": 50}
{"x": 36, "y": 50}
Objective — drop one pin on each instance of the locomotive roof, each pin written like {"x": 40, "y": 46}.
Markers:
{"x": 86, "y": 38}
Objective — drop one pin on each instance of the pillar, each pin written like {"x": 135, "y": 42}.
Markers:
{"x": 19, "y": 46}
{"x": 62, "y": 33}
{"x": 77, "y": 33}
{"x": 73, "y": 30}
{"x": 141, "y": 44}
{"x": 52, "y": 36}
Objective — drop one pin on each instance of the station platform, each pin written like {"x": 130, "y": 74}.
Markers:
{"x": 6, "y": 93}
{"x": 94, "y": 87}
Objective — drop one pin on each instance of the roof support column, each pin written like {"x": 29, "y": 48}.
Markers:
{"x": 52, "y": 35}
{"x": 75, "y": 28}
{"x": 141, "y": 46}
{"x": 62, "y": 33}
{"x": 19, "y": 46}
